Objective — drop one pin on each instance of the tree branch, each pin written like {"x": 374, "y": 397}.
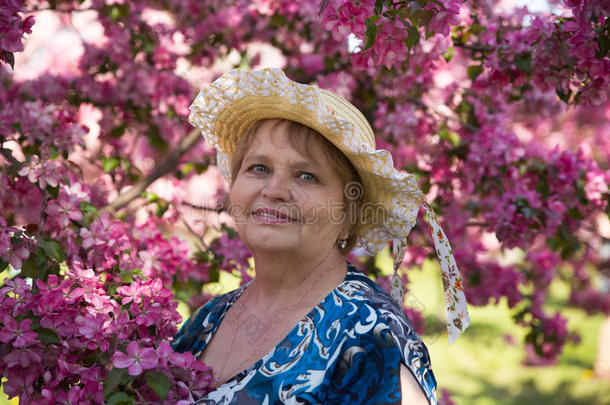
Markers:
{"x": 426, "y": 107}
{"x": 203, "y": 208}
{"x": 473, "y": 47}
{"x": 163, "y": 168}
{"x": 59, "y": 10}
{"x": 478, "y": 224}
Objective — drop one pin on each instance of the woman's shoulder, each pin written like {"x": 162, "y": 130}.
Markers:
{"x": 362, "y": 291}
{"x": 194, "y": 333}
{"x": 377, "y": 320}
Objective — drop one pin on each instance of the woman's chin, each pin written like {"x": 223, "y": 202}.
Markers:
{"x": 270, "y": 240}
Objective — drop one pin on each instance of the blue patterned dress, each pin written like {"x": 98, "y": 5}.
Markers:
{"x": 347, "y": 350}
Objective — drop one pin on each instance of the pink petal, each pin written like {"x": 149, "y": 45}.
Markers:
{"x": 135, "y": 369}
{"x": 148, "y": 358}
{"x": 133, "y": 348}
{"x": 121, "y": 360}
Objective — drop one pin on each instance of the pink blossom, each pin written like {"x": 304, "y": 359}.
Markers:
{"x": 136, "y": 360}
{"x": 234, "y": 255}
{"x": 20, "y": 384}
{"x": 15, "y": 255}
{"x": 43, "y": 173}
{"x": 19, "y": 333}
{"x": 13, "y": 27}
{"x": 65, "y": 208}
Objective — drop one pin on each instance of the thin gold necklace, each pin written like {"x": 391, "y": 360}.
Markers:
{"x": 273, "y": 325}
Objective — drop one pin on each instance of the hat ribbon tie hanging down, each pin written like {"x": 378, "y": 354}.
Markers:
{"x": 455, "y": 300}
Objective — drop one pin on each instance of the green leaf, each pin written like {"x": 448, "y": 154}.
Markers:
{"x": 8, "y": 57}
{"x": 162, "y": 207}
{"x": 117, "y": 132}
{"x": 213, "y": 275}
{"x": 156, "y": 140}
{"x": 110, "y": 163}
{"x": 450, "y": 136}
{"x": 187, "y": 168}
{"x": 474, "y": 71}
{"x": 115, "y": 377}
{"x": 54, "y": 152}
{"x": 126, "y": 277}
{"x": 412, "y": 36}
{"x": 201, "y": 167}
{"x": 52, "y": 250}
{"x": 119, "y": 398}
{"x": 53, "y": 191}
{"x": 563, "y": 96}
{"x": 231, "y": 232}
{"x": 524, "y": 62}
{"x": 17, "y": 127}
{"x": 465, "y": 111}
{"x": 603, "y": 45}
{"x": 28, "y": 268}
{"x": 449, "y": 54}
{"x": 88, "y": 208}
{"x": 378, "y": 6}
{"x": 371, "y": 32}
{"x": 158, "y": 382}
{"x": 48, "y": 336}
{"x": 119, "y": 11}
{"x": 422, "y": 17}
{"x": 150, "y": 196}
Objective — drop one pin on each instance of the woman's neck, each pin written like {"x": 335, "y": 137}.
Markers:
{"x": 280, "y": 279}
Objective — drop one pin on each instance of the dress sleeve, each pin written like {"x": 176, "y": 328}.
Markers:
{"x": 368, "y": 369}
{"x": 195, "y": 332}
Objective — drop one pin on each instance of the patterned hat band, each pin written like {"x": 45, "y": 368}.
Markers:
{"x": 225, "y": 109}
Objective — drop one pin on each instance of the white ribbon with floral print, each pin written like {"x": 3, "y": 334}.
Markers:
{"x": 455, "y": 300}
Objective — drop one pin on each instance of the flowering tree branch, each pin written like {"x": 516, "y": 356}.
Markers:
{"x": 164, "y": 167}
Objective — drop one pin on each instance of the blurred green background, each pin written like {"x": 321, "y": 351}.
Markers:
{"x": 483, "y": 367}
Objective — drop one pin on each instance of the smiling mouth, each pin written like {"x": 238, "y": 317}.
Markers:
{"x": 267, "y": 217}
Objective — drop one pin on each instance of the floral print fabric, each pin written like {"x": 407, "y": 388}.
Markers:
{"x": 347, "y": 350}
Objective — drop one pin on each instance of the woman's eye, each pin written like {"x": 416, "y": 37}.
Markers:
{"x": 257, "y": 168}
{"x": 308, "y": 176}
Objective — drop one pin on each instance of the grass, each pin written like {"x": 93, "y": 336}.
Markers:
{"x": 483, "y": 367}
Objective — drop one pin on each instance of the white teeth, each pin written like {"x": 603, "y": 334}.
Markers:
{"x": 265, "y": 214}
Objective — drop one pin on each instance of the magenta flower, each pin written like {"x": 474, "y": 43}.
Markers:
{"x": 16, "y": 255}
{"x": 5, "y": 238}
{"x": 65, "y": 208}
{"x": 19, "y": 331}
{"x": 137, "y": 359}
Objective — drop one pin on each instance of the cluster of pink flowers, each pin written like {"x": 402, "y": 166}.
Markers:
{"x": 565, "y": 54}
{"x": 91, "y": 287}
{"x": 61, "y": 339}
{"x": 546, "y": 339}
{"x": 233, "y": 255}
{"x": 389, "y": 39}
{"x": 12, "y": 29}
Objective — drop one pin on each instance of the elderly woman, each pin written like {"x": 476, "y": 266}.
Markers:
{"x": 307, "y": 186}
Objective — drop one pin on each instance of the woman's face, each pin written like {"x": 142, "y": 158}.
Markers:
{"x": 283, "y": 201}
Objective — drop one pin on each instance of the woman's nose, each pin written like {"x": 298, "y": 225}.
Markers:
{"x": 277, "y": 187}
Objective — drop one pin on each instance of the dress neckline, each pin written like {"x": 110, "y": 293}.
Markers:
{"x": 237, "y": 293}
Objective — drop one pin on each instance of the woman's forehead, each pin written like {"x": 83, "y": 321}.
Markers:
{"x": 274, "y": 137}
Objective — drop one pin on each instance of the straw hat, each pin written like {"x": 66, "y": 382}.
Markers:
{"x": 228, "y": 107}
